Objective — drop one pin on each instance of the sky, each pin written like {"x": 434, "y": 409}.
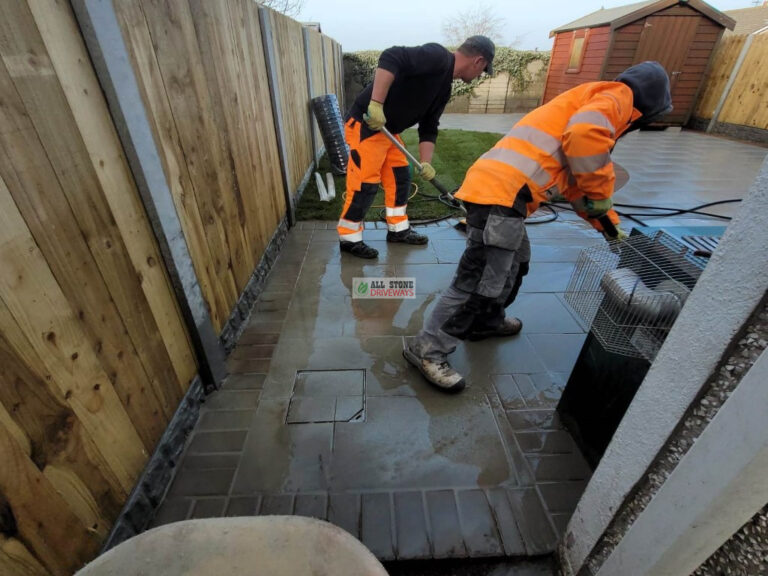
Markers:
{"x": 375, "y": 25}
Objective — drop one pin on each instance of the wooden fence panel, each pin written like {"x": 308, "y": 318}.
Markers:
{"x": 330, "y": 66}
{"x": 203, "y": 75}
{"x": 746, "y": 104}
{"x": 94, "y": 354}
{"x": 292, "y": 87}
{"x": 726, "y": 54}
{"x": 317, "y": 71}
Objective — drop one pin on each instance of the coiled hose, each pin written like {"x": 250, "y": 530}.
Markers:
{"x": 328, "y": 115}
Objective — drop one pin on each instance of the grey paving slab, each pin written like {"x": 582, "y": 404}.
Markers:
{"x": 412, "y": 533}
{"x": 279, "y": 457}
{"x": 225, "y": 420}
{"x": 309, "y": 410}
{"x": 344, "y": 512}
{"x": 548, "y": 442}
{"x": 548, "y": 277}
{"x": 244, "y": 382}
{"x": 243, "y": 506}
{"x": 172, "y": 510}
{"x": 544, "y": 314}
{"x": 527, "y": 420}
{"x": 444, "y": 518}
{"x": 377, "y": 525}
{"x": 506, "y": 522}
{"x": 277, "y": 505}
{"x": 508, "y": 392}
{"x": 311, "y": 505}
{"x": 211, "y": 442}
{"x": 559, "y": 467}
{"x": 478, "y": 524}
{"x": 562, "y": 497}
{"x": 208, "y": 508}
{"x": 211, "y": 461}
{"x": 558, "y": 352}
{"x": 231, "y": 399}
{"x": 537, "y": 531}
{"x": 418, "y": 446}
{"x": 330, "y": 383}
{"x": 201, "y": 482}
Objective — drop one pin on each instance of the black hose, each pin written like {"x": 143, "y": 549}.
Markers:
{"x": 328, "y": 115}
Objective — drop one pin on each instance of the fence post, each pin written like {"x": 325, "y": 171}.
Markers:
{"x": 325, "y": 68}
{"x": 104, "y": 41}
{"x": 731, "y": 82}
{"x": 277, "y": 109}
{"x": 311, "y": 92}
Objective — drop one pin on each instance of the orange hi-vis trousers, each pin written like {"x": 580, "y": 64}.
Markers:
{"x": 373, "y": 161}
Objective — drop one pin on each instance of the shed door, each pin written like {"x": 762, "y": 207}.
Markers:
{"x": 667, "y": 40}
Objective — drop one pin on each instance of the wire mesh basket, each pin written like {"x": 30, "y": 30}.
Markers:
{"x": 630, "y": 293}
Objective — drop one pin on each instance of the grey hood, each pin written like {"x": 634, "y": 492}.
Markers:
{"x": 650, "y": 87}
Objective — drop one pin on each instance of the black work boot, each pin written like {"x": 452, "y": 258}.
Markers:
{"x": 359, "y": 249}
{"x": 408, "y": 236}
{"x": 508, "y": 327}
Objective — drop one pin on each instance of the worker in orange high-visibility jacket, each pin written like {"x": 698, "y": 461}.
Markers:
{"x": 563, "y": 147}
{"x": 411, "y": 85}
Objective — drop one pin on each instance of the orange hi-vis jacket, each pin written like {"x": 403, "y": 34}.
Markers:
{"x": 561, "y": 147}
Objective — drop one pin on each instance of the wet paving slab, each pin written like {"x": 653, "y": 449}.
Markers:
{"x": 321, "y": 416}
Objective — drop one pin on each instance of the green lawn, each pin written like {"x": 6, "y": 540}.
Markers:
{"x": 455, "y": 152}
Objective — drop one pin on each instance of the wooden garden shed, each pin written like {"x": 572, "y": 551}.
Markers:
{"x": 680, "y": 34}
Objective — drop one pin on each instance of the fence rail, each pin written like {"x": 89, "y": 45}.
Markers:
{"x": 95, "y": 355}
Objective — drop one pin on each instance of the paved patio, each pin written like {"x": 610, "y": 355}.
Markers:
{"x": 321, "y": 416}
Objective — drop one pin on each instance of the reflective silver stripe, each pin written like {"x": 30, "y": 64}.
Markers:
{"x": 591, "y": 117}
{"x": 356, "y": 237}
{"x": 543, "y": 141}
{"x": 526, "y": 165}
{"x": 588, "y": 164}
{"x": 351, "y": 225}
{"x": 399, "y": 227}
{"x": 397, "y": 211}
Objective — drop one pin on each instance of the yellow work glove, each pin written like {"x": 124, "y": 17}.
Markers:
{"x": 374, "y": 117}
{"x": 597, "y": 208}
{"x": 620, "y": 235}
{"x": 427, "y": 172}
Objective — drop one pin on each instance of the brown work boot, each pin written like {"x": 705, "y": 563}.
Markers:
{"x": 509, "y": 327}
{"x": 359, "y": 249}
{"x": 437, "y": 373}
{"x": 408, "y": 236}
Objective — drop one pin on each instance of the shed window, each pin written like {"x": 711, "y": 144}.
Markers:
{"x": 578, "y": 46}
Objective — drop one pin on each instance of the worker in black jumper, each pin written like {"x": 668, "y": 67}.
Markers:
{"x": 411, "y": 85}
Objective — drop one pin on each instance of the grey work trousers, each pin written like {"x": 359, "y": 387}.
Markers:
{"x": 493, "y": 265}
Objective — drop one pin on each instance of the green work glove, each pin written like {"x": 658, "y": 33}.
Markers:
{"x": 427, "y": 171}
{"x": 597, "y": 208}
{"x": 375, "y": 116}
{"x": 620, "y": 235}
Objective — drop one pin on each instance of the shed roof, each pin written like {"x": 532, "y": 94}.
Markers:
{"x": 623, "y": 15}
{"x": 749, "y": 20}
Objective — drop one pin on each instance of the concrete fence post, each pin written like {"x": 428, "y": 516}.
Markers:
{"x": 104, "y": 41}
{"x": 268, "y": 41}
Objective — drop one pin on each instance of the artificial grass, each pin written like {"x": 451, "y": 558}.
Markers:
{"x": 455, "y": 152}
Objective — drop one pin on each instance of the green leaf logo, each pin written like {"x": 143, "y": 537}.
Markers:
{"x": 362, "y": 288}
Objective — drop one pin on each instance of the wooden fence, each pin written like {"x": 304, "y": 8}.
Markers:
{"x": 94, "y": 354}
{"x": 205, "y": 79}
{"x": 745, "y": 103}
{"x": 500, "y": 94}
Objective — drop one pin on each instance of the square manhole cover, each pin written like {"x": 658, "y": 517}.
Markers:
{"x": 327, "y": 396}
